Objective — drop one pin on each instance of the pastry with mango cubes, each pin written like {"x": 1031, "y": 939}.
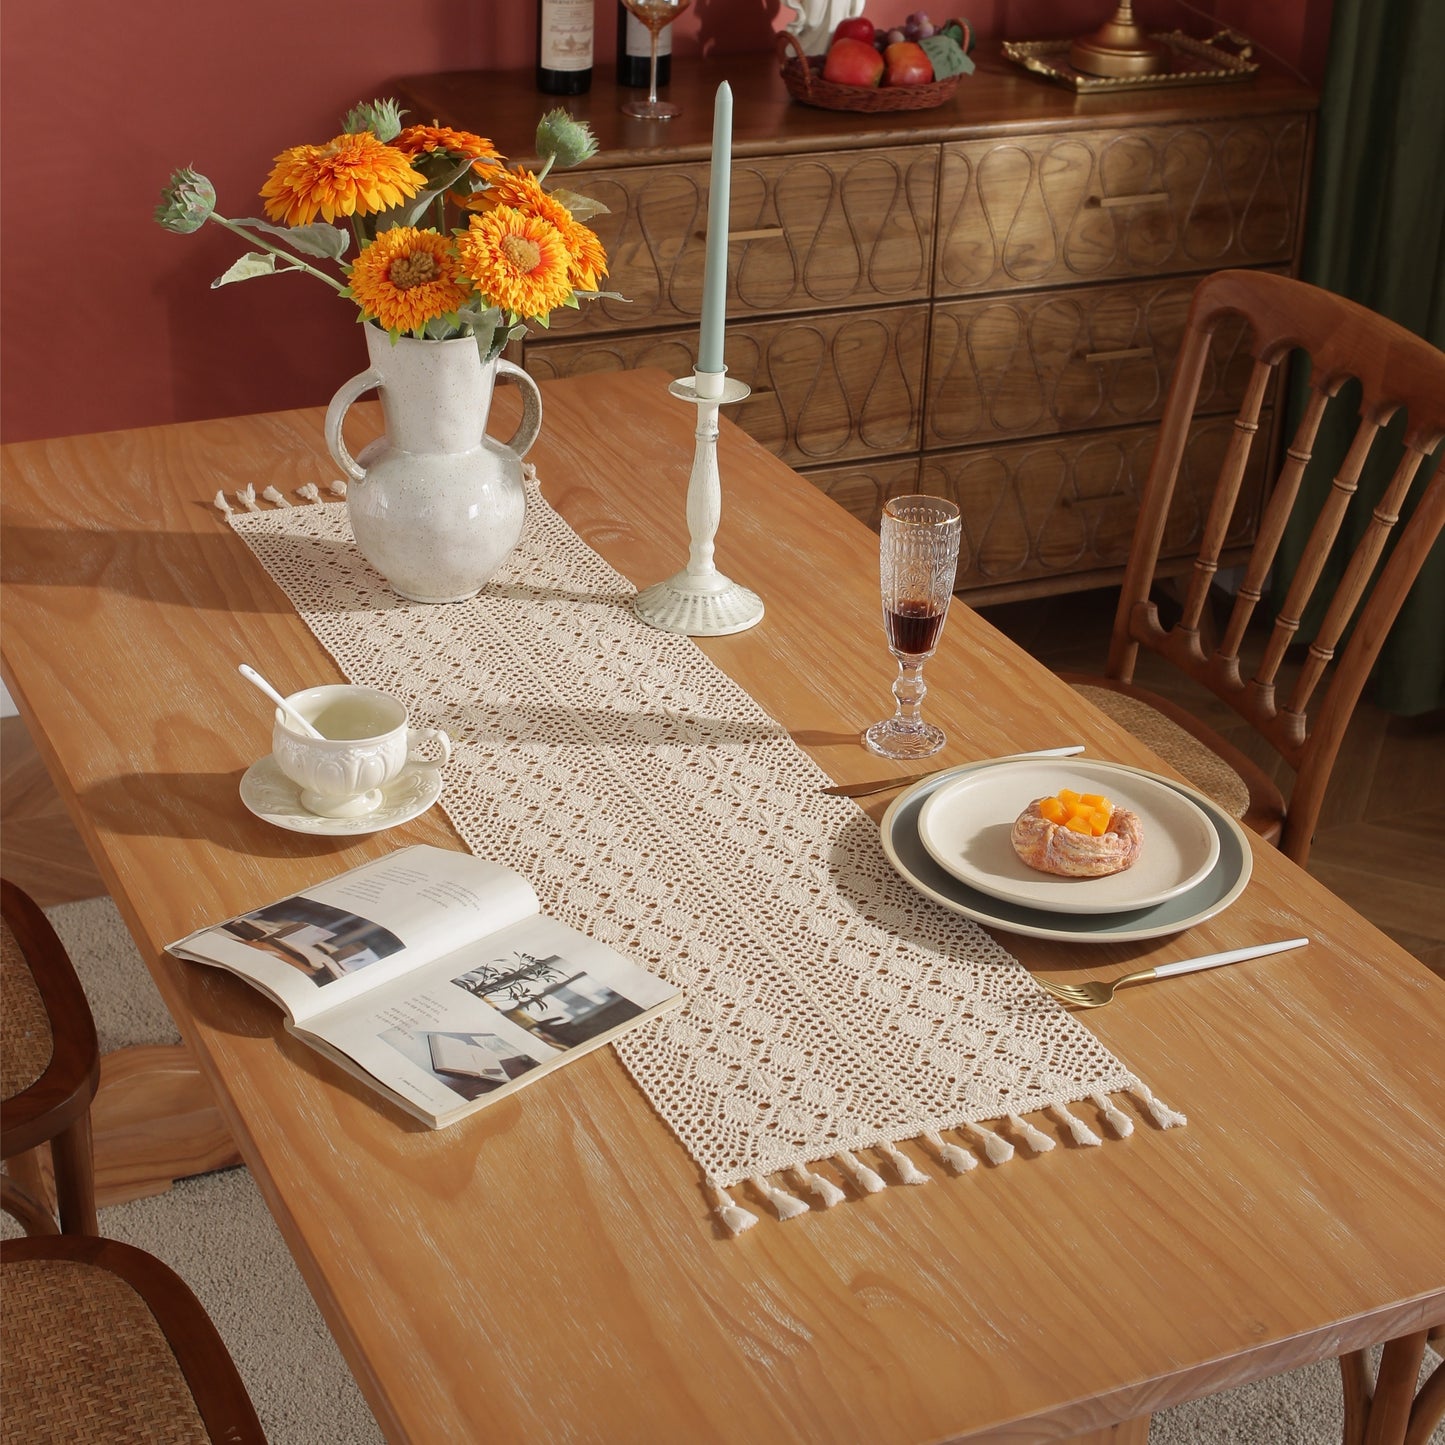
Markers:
{"x": 1077, "y": 835}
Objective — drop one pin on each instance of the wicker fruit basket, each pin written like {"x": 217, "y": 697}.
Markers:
{"x": 803, "y": 75}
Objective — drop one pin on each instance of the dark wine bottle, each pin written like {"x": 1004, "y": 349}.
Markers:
{"x": 634, "y": 51}
{"x": 564, "y": 46}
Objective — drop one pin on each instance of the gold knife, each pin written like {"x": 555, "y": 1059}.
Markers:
{"x": 883, "y": 785}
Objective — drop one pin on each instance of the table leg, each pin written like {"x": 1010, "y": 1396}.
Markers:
{"x": 1389, "y": 1412}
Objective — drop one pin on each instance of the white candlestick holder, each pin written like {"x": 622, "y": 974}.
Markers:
{"x": 699, "y": 601}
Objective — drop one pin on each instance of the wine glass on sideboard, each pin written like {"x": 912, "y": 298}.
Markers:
{"x": 656, "y": 15}
{"x": 918, "y": 561}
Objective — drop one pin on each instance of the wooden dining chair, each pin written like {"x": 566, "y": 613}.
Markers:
{"x": 103, "y": 1342}
{"x": 1396, "y": 370}
{"x": 49, "y": 1071}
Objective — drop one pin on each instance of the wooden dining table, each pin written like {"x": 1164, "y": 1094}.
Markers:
{"x": 550, "y": 1268}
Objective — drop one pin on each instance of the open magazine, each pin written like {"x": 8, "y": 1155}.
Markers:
{"x": 434, "y": 976}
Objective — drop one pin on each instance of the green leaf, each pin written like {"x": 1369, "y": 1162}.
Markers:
{"x": 947, "y": 56}
{"x": 583, "y": 208}
{"x": 257, "y": 263}
{"x": 316, "y": 239}
{"x": 413, "y": 210}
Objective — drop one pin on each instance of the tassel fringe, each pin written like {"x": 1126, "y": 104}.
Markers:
{"x": 272, "y": 495}
{"x": 735, "y": 1219}
{"x": 998, "y": 1149}
{"x": 1036, "y": 1139}
{"x": 309, "y": 493}
{"x": 1160, "y": 1112}
{"x": 247, "y": 499}
{"x": 1116, "y": 1118}
{"x": 1080, "y": 1131}
{"x": 908, "y": 1171}
{"x": 867, "y": 1180}
{"x": 337, "y": 488}
{"x": 959, "y": 1160}
{"x": 789, "y": 1206}
{"x": 825, "y": 1189}
{"x": 220, "y": 503}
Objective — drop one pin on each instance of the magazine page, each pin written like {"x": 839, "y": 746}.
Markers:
{"x": 491, "y": 1017}
{"x": 365, "y": 927}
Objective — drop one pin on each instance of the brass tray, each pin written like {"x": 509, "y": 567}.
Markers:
{"x": 1191, "y": 62}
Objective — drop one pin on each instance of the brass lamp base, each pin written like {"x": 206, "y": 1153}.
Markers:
{"x": 1119, "y": 47}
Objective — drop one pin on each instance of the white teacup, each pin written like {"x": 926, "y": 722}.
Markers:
{"x": 365, "y": 743}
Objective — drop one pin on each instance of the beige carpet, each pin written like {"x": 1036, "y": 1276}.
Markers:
{"x": 214, "y": 1231}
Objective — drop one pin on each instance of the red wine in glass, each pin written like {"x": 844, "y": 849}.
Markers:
{"x": 913, "y": 626}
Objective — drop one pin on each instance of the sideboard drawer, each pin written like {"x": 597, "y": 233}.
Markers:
{"x": 863, "y": 487}
{"x": 809, "y": 232}
{"x": 1068, "y": 506}
{"x": 1035, "y": 363}
{"x": 826, "y": 388}
{"x": 1051, "y": 209}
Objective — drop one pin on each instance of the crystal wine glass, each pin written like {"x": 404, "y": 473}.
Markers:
{"x": 918, "y": 560}
{"x": 655, "y": 14}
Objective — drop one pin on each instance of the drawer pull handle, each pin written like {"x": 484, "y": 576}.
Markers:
{"x": 768, "y": 233}
{"x": 1127, "y": 353}
{"x": 1148, "y": 198}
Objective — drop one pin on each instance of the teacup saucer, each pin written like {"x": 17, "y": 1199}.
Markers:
{"x": 272, "y": 796}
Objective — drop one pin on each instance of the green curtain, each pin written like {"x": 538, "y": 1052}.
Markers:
{"x": 1375, "y": 232}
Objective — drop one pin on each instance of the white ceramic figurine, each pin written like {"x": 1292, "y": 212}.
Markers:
{"x": 815, "y": 20}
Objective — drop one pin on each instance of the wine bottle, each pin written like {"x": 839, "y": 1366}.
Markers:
{"x": 564, "y": 46}
{"x": 634, "y": 51}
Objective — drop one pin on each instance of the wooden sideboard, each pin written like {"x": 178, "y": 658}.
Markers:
{"x": 982, "y": 301}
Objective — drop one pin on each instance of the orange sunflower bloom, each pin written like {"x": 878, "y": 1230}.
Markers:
{"x": 518, "y": 262}
{"x": 406, "y": 278}
{"x": 523, "y": 192}
{"x": 353, "y": 175}
{"x": 417, "y": 140}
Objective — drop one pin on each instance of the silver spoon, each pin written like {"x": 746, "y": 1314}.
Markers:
{"x": 294, "y": 717}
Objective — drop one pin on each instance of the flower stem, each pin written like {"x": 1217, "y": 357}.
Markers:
{"x": 287, "y": 256}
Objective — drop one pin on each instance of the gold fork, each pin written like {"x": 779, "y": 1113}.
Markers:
{"x": 1096, "y": 995}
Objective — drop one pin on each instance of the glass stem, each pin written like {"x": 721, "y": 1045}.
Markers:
{"x": 652, "y": 85}
{"x": 909, "y": 690}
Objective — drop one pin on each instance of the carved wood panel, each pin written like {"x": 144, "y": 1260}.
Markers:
{"x": 1046, "y": 509}
{"x": 1045, "y": 210}
{"x": 842, "y": 229}
{"x": 1035, "y": 363}
{"x": 863, "y": 487}
{"x": 826, "y": 388}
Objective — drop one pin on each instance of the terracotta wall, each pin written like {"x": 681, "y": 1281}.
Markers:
{"x": 107, "y": 321}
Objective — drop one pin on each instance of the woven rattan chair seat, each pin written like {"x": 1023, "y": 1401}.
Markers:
{"x": 85, "y": 1360}
{"x": 1187, "y": 755}
{"x": 23, "y": 1020}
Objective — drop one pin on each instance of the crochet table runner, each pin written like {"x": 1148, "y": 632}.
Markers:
{"x": 830, "y": 1010}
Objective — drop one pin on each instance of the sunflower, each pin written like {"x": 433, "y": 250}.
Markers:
{"x": 406, "y": 278}
{"x": 587, "y": 261}
{"x": 518, "y": 262}
{"x": 353, "y": 175}
{"x": 417, "y": 140}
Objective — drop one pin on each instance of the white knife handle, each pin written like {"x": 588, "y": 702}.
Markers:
{"x": 1234, "y": 955}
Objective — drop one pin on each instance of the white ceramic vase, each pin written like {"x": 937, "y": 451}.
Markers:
{"x": 436, "y": 504}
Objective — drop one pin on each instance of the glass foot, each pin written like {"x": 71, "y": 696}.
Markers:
{"x": 894, "y": 739}
{"x": 651, "y": 110}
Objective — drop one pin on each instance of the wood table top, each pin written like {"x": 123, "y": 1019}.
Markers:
{"x": 550, "y": 1268}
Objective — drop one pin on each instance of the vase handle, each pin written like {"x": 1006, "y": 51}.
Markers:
{"x": 531, "y": 424}
{"x": 336, "y": 414}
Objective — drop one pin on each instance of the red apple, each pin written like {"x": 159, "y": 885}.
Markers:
{"x": 856, "y": 27}
{"x": 854, "y": 62}
{"x": 906, "y": 63}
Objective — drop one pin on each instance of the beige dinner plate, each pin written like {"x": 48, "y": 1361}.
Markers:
{"x": 967, "y": 823}
{"x": 1220, "y": 887}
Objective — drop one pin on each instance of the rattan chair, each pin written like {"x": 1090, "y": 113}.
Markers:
{"x": 1396, "y": 370}
{"x": 102, "y": 1342}
{"x": 49, "y": 1069}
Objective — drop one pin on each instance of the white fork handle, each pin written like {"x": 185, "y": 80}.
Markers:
{"x": 1234, "y": 955}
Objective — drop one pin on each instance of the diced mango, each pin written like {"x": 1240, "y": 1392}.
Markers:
{"x": 1080, "y": 812}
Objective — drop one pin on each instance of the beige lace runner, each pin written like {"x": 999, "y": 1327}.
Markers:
{"x": 830, "y": 1009}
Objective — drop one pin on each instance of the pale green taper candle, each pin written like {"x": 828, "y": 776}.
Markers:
{"x": 715, "y": 276}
